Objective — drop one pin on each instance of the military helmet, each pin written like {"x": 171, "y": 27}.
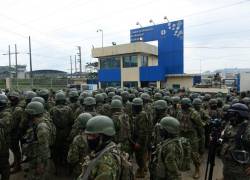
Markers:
{"x": 60, "y": 96}
{"x": 157, "y": 96}
{"x": 213, "y": 102}
{"x": 83, "y": 119}
{"x": 34, "y": 108}
{"x": 246, "y": 100}
{"x": 105, "y": 96}
{"x": 225, "y": 107}
{"x": 145, "y": 96}
{"x": 193, "y": 96}
{"x": 186, "y": 101}
{"x": 137, "y": 102}
{"x": 241, "y": 109}
{"x": 43, "y": 92}
{"x": 168, "y": 99}
{"x": 170, "y": 124}
{"x": 73, "y": 94}
{"x": 99, "y": 98}
{"x": 85, "y": 94}
{"x": 29, "y": 95}
{"x": 89, "y": 101}
{"x": 117, "y": 97}
{"x": 125, "y": 95}
{"x": 14, "y": 94}
{"x": 100, "y": 125}
{"x": 116, "y": 104}
{"x": 38, "y": 99}
{"x": 235, "y": 100}
{"x": 207, "y": 97}
{"x": 3, "y": 100}
{"x": 197, "y": 101}
{"x": 111, "y": 94}
{"x": 132, "y": 96}
{"x": 175, "y": 99}
{"x": 160, "y": 104}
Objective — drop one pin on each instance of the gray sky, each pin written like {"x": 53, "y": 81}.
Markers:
{"x": 217, "y": 32}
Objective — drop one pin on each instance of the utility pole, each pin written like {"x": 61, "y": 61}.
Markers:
{"x": 80, "y": 59}
{"x": 31, "y": 73}
{"x": 70, "y": 67}
{"x": 9, "y": 54}
{"x": 16, "y": 65}
{"x": 75, "y": 65}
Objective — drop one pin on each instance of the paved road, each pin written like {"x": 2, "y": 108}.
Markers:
{"x": 185, "y": 176}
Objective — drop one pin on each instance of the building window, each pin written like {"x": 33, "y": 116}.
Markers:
{"x": 110, "y": 62}
{"x": 110, "y": 84}
{"x": 130, "y": 84}
{"x": 144, "y": 60}
{"x": 176, "y": 86}
{"x": 129, "y": 61}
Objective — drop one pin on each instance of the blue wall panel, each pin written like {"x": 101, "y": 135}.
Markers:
{"x": 152, "y": 73}
{"x": 109, "y": 75}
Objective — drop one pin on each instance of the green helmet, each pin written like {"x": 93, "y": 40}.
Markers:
{"x": 157, "y": 96}
{"x": 14, "y": 94}
{"x": 226, "y": 107}
{"x": 43, "y": 92}
{"x": 83, "y": 119}
{"x": 116, "y": 104}
{"x": 117, "y": 97}
{"x": 105, "y": 96}
{"x": 99, "y": 98}
{"x": 111, "y": 94}
{"x": 145, "y": 96}
{"x": 29, "y": 95}
{"x": 38, "y": 99}
{"x": 197, "y": 101}
{"x": 131, "y": 96}
{"x": 213, "y": 102}
{"x": 170, "y": 124}
{"x": 100, "y": 125}
{"x": 207, "y": 97}
{"x": 3, "y": 100}
{"x": 73, "y": 94}
{"x": 89, "y": 101}
{"x": 60, "y": 96}
{"x": 246, "y": 100}
{"x": 186, "y": 101}
{"x": 160, "y": 104}
{"x": 168, "y": 99}
{"x": 235, "y": 100}
{"x": 125, "y": 95}
{"x": 85, "y": 94}
{"x": 175, "y": 99}
{"x": 34, "y": 108}
{"x": 137, "y": 102}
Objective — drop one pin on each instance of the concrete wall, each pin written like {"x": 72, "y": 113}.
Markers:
{"x": 186, "y": 82}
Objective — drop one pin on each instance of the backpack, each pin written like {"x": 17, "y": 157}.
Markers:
{"x": 52, "y": 129}
{"x": 185, "y": 164}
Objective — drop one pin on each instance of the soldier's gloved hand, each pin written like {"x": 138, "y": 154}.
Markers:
{"x": 248, "y": 171}
{"x": 40, "y": 169}
{"x": 137, "y": 146}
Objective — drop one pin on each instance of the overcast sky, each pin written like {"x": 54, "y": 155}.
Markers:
{"x": 216, "y": 32}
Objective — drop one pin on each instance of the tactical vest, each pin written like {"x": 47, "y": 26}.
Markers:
{"x": 186, "y": 123}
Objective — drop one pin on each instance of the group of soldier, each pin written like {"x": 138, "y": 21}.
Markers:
{"x": 98, "y": 135}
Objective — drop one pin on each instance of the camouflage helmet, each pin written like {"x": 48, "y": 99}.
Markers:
{"x": 197, "y": 102}
{"x": 125, "y": 95}
{"x": 60, "y": 96}
{"x": 207, "y": 97}
{"x": 100, "y": 125}
{"x": 157, "y": 96}
{"x": 99, "y": 98}
{"x": 117, "y": 97}
{"x": 3, "y": 100}
{"x": 170, "y": 124}
{"x": 193, "y": 96}
{"x": 34, "y": 108}
{"x": 175, "y": 99}
{"x": 85, "y": 94}
{"x": 160, "y": 105}
{"x": 83, "y": 119}
{"x": 226, "y": 107}
{"x": 168, "y": 99}
{"x": 38, "y": 99}
{"x": 213, "y": 102}
{"x": 132, "y": 96}
{"x": 186, "y": 101}
{"x": 137, "y": 102}
{"x": 89, "y": 101}
{"x": 29, "y": 95}
{"x": 73, "y": 94}
{"x": 116, "y": 104}
{"x": 14, "y": 94}
{"x": 111, "y": 94}
{"x": 145, "y": 96}
{"x": 43, "y": 92}
{"x": 105, "y": 96}
{"x": 246, "y": 100}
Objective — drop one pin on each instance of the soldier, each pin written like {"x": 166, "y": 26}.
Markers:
{"x": 44, "y": 93}
{"x": 28, "y": 96}
{"x": 122, "y": 126}
{"x": 99, "y": 103}
{"x": 102, "y": 164}
{"x": 140, "y": 135}
{"x": 197, "y": 103}
{"x": 89, "y": 107}
{"x": 62, "y": 117}
{"x": 17, "y": 116}
{"x": 213, "y": 110}
{"x": 169, "y": 153}
{"x": 5, "y": 128}
{"x": 79, "y": 147}
{"x": 73, "y": 97}
{"x": 173, "y": 110}
{"x": 190, "y": 125}
{"x": 36, "y": 143}
{"x": 206, "y": 100}
{"x": 157, "y": 96}
{"x": 236, "y": 144}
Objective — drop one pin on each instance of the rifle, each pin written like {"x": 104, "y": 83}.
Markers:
{"x": 216, "y": 129}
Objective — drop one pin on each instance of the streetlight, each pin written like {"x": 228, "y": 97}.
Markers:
{"x": 138, "y": 24}
{"x": 151, "y": 21}
{"x": 100, "y": 30}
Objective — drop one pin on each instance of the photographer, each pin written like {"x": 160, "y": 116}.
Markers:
{"x": 236, "y": 144}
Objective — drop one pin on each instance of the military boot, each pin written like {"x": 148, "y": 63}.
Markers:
{"x": 197, "y": 172}
{"x": 140, "y": 173}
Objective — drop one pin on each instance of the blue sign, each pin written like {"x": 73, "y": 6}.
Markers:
{"x": 170, "y": 48}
